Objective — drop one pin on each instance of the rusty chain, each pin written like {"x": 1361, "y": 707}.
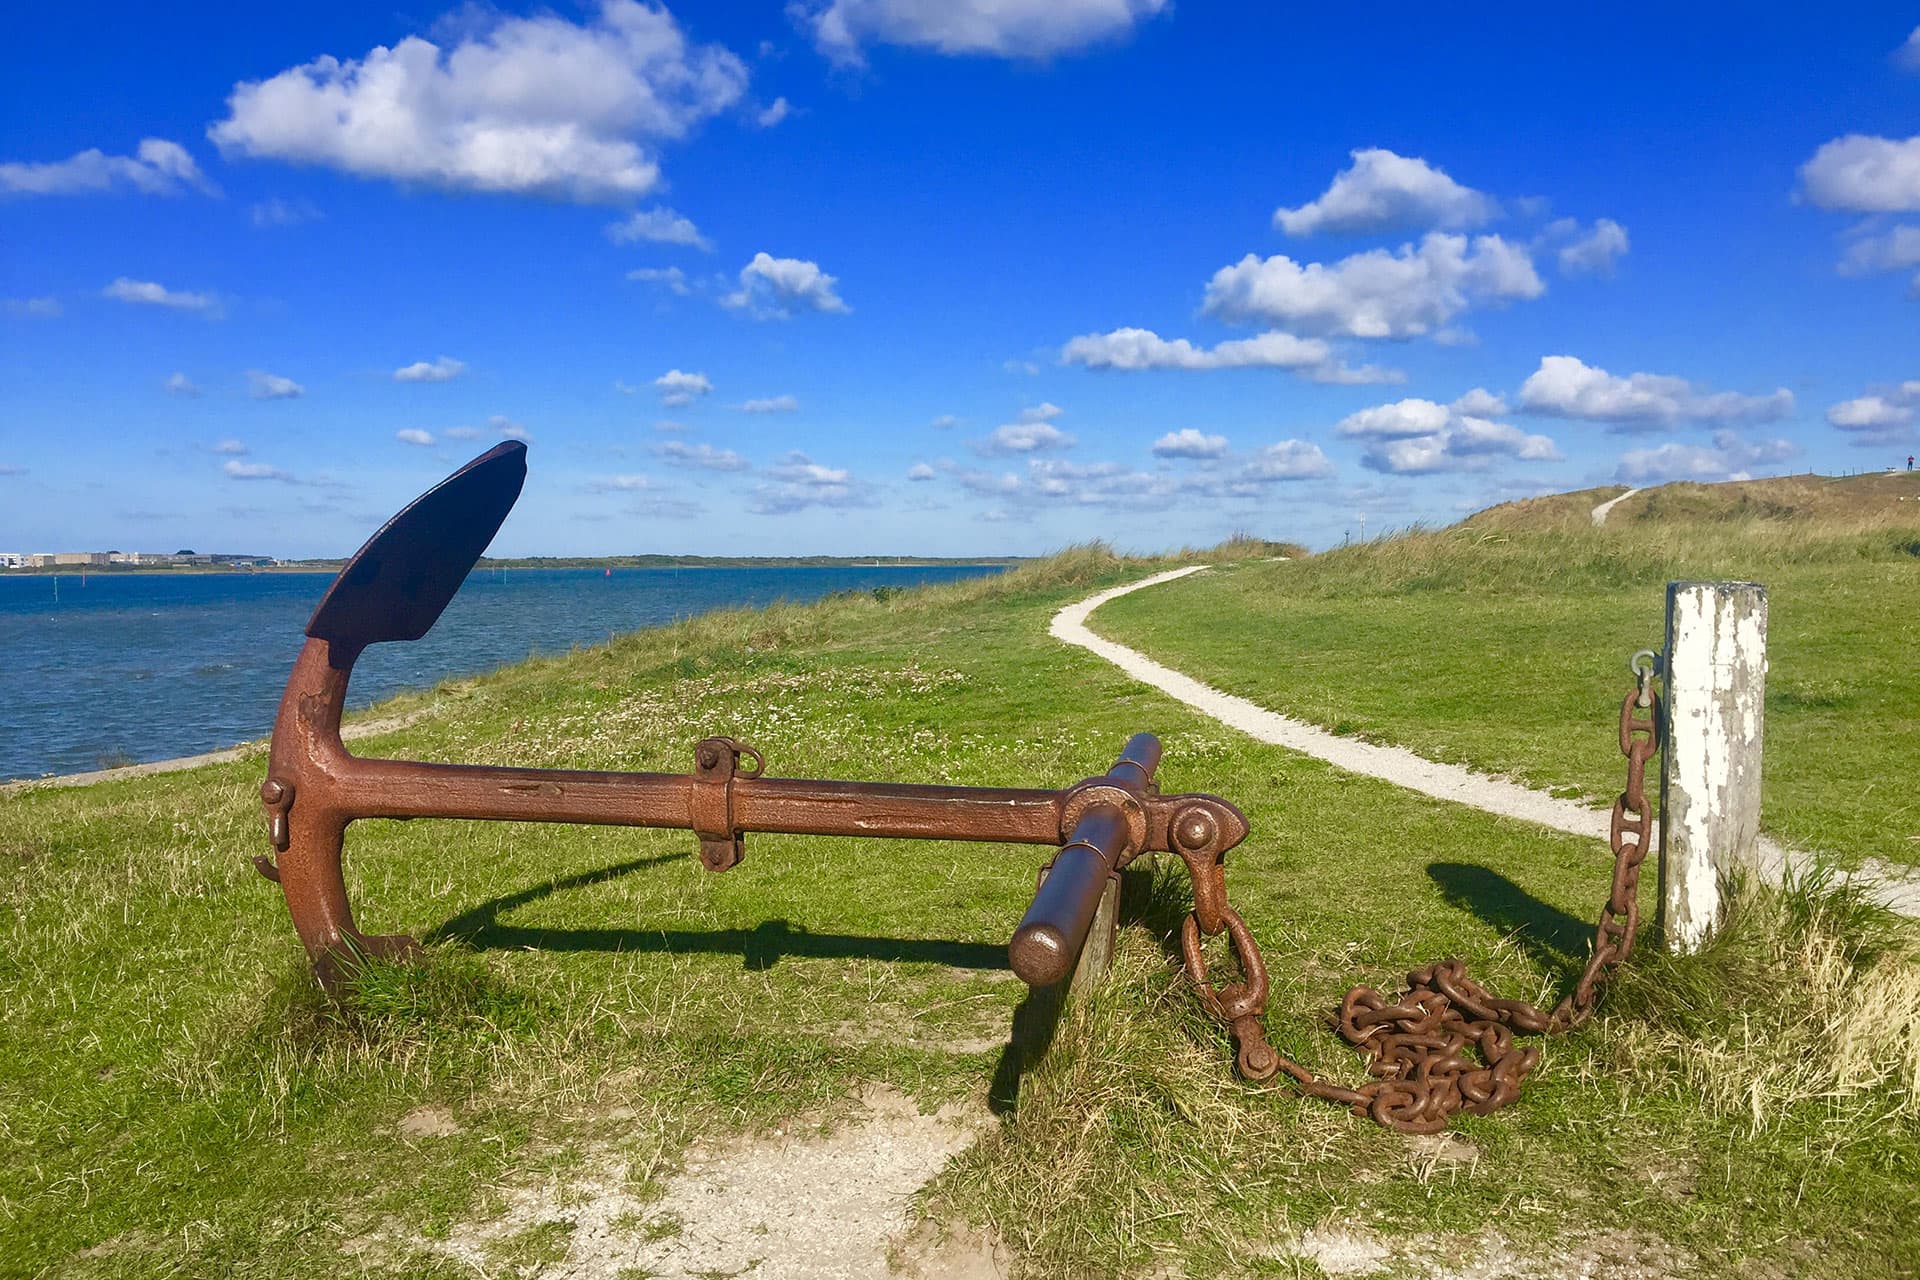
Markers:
{"x": 1420, "y": 1045}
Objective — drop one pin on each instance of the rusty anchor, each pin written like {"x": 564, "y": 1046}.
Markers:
{"x": 398, "y": 584}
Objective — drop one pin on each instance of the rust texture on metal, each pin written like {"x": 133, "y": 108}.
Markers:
{"x": 1420, "y": 1043}
{"x": 396, "y": 586}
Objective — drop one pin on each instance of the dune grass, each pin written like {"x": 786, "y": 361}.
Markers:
{"x": 175, "y": 1098}
{"x": 1502, "y": 649}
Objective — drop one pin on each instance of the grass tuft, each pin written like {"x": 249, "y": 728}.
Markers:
{"x": 1808, "y": 999}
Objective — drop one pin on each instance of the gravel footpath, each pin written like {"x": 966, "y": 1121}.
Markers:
{"x": 1600, "y": 512}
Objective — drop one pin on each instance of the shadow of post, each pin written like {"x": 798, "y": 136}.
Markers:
{"x": 1549, "y": 936}
{"x": 1036, "y": 1021}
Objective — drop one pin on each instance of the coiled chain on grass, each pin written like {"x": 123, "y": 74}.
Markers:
{"x": 1421, "y": 1044}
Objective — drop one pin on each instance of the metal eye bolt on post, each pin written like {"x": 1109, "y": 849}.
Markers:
{"x": 398, "y": 584}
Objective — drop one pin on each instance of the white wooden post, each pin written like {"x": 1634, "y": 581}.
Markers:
{"x": 1716, "y": 682}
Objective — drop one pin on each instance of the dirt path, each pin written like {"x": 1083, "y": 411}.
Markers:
{"x": 1896, "y": 887}
{"x": 1600, "y": 512}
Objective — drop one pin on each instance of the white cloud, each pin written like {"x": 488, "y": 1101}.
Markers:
{"x": 445, "y": 369}
{"x": 1480, "y": 403}
{"x": 672, "y": 279}
{"x": 179, "y": 384}
{"x": 527, "y": 106}
{"x": 413, "y": 435}
{"x": 1189, "y": 442}
{"x": 659, "y": 225}
{"x": 1001, "y": 28}
{"x": 1874, "y": 252}
{"x": 774, "y": 288}
{"x": 677, "y": 388}
{"x": 1024, "y": 437}
{"x": 1045, "y": 411}
{"x": 945, "y": 422}
{"x": 508, "y": 428}
{"x": 1397, "y": 421}
{"x": 798, "y": 482}
{"x": 1590, "y": 252}
{"x": 1376, "y": 294}
{"x": 920, "y": 471}
{"x": 1132, "y": 349}
{"x": 1464, "y": 444}
{"x": 157, "y": 168}
{"x": 669, "y": 425}
{"x": 704, "y": 456}
{"x": 232, "y": 449}
{"x": 237, "y": 470}
{"x": 147, "y": 293}
{"x": 771, "y": 404}
{"x": 1880, "y": 417}
{"x": 275, "y": 212}
{"x": 1418, "y": 437}
{"x": 1869, "y": 413}
{"x": 1382, "y": 191}
{"x": 463, "y": 433}
{"x": 1859, "y": 174}
{"x": 1730, "y": 458}
{"x": 45, "y": 307}
{"x": 1245, "y": 477}
{"x": 1566, "y": 387}
{"x": 620, "y": 484}
{"x": 271, "y": 386}
{"x": 1286, "y": 460}
{"x": 776, "y": 111}
{"x": 1907, "y": 56}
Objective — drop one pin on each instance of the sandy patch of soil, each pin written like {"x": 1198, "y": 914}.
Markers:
{"x": 1606, "y": 1255}
{"x": 793, "y": 1205}
{"x": 427, "y": 1122}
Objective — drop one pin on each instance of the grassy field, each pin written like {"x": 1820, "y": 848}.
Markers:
{"x": 176, "y": 1100}
{"x": 1502, "y": 642}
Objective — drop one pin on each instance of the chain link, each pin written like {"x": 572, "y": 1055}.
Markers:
{"x": 1421, "y": 1045}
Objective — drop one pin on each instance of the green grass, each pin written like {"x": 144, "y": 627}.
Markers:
{"x": 175, "y": 1099}
{"x": 1507, "y": 651}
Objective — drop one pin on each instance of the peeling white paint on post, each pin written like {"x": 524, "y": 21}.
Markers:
{"x": 1716, "y": 684}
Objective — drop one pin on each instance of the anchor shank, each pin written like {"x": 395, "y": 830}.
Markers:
{"x": 369, "y": 788}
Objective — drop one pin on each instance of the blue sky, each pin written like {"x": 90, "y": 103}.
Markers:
{"x": 853, "y": 276}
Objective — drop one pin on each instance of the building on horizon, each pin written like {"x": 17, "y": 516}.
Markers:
{"x": 133, "y": 559}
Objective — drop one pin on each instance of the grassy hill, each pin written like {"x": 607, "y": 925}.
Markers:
{"x": 175, "y": 1098}
{"x": 1815, "y": 504}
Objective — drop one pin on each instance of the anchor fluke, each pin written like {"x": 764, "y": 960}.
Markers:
{"x": 399, "y": 584}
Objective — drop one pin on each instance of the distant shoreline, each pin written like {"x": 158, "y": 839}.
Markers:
{"x": 538, "y": 562}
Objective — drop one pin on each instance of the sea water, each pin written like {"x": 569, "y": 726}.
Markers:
{"x": 107, "y": 669}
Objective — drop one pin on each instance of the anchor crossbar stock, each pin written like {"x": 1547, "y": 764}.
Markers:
{"x": 395, "y": 588}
